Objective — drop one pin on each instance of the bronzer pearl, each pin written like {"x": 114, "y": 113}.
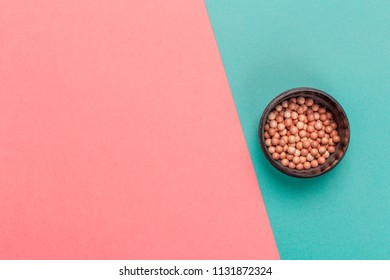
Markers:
{"x": 306, "y": 165}
{"x": 321, "y": 160}
{"x": 309, "y": 102}
{"x": 275, "y": 156}
{"x": 313, "y": 135}
{"x": 285, "y": 162}
{"x": 301, "y": 100}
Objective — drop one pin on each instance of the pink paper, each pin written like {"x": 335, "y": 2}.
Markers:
{"x": 119, "y": 138}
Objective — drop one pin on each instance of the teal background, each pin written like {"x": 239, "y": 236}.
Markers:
{"x": 343, "y": 48}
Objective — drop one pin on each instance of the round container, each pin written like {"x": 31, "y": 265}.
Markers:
{"x": 339, "y": 117}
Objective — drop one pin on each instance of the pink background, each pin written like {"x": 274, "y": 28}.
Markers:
{"x": 119, "y": 138}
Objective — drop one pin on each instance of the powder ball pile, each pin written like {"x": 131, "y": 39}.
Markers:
{"x": 300, "y": 133}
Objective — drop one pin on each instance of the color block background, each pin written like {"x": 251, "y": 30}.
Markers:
{"x": 343, "y": 48}
{"x": 119, "y": 138}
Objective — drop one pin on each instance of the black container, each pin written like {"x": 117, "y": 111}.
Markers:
{"x": 339, "y": 117}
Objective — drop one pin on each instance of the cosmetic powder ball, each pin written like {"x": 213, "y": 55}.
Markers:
{"x": 300, "y": 133}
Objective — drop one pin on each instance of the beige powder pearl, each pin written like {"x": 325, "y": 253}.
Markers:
{"x": 299, "y": 166}
{"x": 300, "y": 125}
{"x": 272, "y": 115}
{"x": 331, "y": 149}
{"x": 294, "y": 115}
{"x": 275, "y": 156}
{"x": 322, "y": 150}
{"x": 283, "y": 132}
{"x": 293, "y": 99}
{"x": 305, "y": 127}
{"x": 296, "y": 160}
{"x": 316, "y": 116}
{"x": 324, "y": 141}
{"x": 314, "y": 163}
{"x": 300, "y": 110}
{"x": 279, "y": 149}
{"x": 297, "y": 152}
{"x": 306, "y": 165}
{"x": 271, "y": 149}
{"x": 285, "y": 138}
{"x": 309, "y": 157}
{"x": 299, "y": 145}
{"x": 285, "y": 147}
{"x": 281, "y": 126}
{"x": 321, "y": 160}
{"x": 273, "y": 123}
{"x": 304, "y": 152}
{"x": 287, "y": 114}
{"x": 268, "y": 142}
{"x": 318, "y": 125}
{"x": 301, "y": 100}
{"x": 302, "y": 118}
{"x": 284, "y": 162}
{"x": 278, "y": 108}
{"x": 282, "y": 155}
{"x": 291, "y": 150}
{"x": 302, "y": 159}
{"x": 277, "y": 135}
{"x": 291, "y": 165}
{"x": 326, "y": 155}
{"x": 285, "y": 104}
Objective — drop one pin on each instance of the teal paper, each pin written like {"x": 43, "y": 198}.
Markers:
{"x": 343, "y": 48}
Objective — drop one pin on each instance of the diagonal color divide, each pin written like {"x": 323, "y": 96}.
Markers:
{"x": 343, "y": 48}
{"x": 119, "y": 136}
